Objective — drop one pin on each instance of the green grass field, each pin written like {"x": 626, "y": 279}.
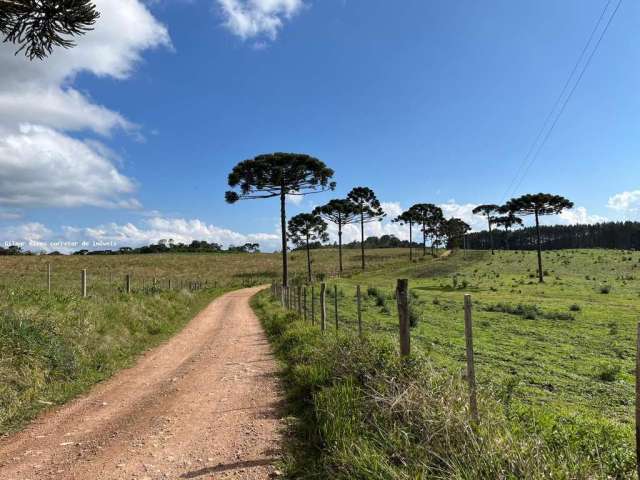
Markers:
{"x": 567, "y": 344}
{"x": 555, "y": 359}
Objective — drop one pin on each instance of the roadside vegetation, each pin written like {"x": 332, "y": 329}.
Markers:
{"x": 56, "y": 345}
{"x": 554, "y": 362}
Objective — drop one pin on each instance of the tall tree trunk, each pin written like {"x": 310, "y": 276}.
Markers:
{"x": 362, "y": 236}
{"x": 540, "y": 275}
{"x": 340, "y": 243}
{"x": 507, "y": 232}
{"x": 283, "y": 226}
{"x": 308, "y": 261}
{"x": 424, "y": 240}
{"x": 490, "y": 235}
{"x": 410, "y": 242}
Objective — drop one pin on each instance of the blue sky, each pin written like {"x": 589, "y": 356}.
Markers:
{"x": 129, "y": 137}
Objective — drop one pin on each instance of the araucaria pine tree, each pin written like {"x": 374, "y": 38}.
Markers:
{"x": 305, "y": 228}
{"x": 538, "y": 204}
{"x": 429, "y": 217}
{"x": 341, "y": 212}
{"x": 279, "y": 175}
{"x": 508, "y": 220}
{"x": 37, "y": 26}
{"x": 408, "y": 217}
{"x": 455, "y": 229}
{"x": 368, "y": 209}
{"x": 488, "y": 211}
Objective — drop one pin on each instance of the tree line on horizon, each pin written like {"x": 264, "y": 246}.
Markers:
{"x": 163, "y": 246}
{"x": 614, "y": 235}
{"x": 279, "y": 175}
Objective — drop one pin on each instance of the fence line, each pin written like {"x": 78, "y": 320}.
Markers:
{"x": 404, "y": 327}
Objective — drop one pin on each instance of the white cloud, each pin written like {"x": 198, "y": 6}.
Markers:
{"x": 26, "y": 232}
{"x": 249, "y": 19}
{"x": 392, "y": 209}
{"x": 464, "y": 212}
{"x": 41, "y": 167}
{"x": 295, "y": 199}
{"x": 579, "y": 215}
{"x": 148, "y": 231}
{"x": 625, "y": 201}
{"x": 40, "y": 163}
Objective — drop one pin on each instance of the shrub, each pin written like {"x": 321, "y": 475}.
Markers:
{"x": 608, "y": 372}
{"x": 575, "y": 307}
{"x": 605, "y": 289}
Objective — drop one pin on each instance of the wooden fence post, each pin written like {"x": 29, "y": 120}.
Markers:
{"x": 83, "y": 281}
{"x": 403, "y": 315}
{"x": 169, "y": 284}
{"x": 299, "y": 295}
{"x": 335, "y": 303}
{"x": 304, "y": 303}
{"x": 282, "y": 287}
{"x": 359, "y": 306}
{"x": 323, "y": 306}
{"x": 313, "y": 306}
{"x": 49, "y": 277}
{"x": 127, "y": 283}
{"x": 471, "y": 372}
{"x": 638, "y": 399}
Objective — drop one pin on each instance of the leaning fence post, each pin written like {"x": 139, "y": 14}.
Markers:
{"x": 83, "y": 281}
{"x": 359, "y": 306}
{"x": 335, "y": 303}
{"x": 49, "y": 277}
{"x": 403, "y": 315}
{"x": 323, "y": 307}
{"x": 471, "y": 372}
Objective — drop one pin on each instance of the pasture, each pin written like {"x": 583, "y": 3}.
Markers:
{"x": 554, "y": 364}
{"x": 567, "y": 344}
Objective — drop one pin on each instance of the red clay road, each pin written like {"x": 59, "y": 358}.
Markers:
{"x": 204, "y": 405}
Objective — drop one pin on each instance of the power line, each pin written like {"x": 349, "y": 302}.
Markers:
{"x": 521, "y": 175}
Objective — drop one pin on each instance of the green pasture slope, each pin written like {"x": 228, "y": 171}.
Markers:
{"x": 555, "y": 361}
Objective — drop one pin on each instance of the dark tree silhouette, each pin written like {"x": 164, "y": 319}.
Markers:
{"x": 429, "y": 217}
{"x": 455, "y": 229}
{"x": 488, "y": 211}
{"x": 341, "y": 212}
{"x": 37, "y": 26}
{"x": 615, "y": 235}
{"x": 507, "y": 221}
{"x": 368, "y": 209}
{"x": 279, "y": 175}
{"x": 305, "y": 228}
{"x": 408, "y": 217}
{"x": 538, "y": 204}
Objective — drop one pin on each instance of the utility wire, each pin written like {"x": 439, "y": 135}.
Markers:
{"x": 521, "y": 175}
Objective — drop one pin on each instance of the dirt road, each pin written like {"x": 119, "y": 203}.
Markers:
{"x": 204, "y": 405}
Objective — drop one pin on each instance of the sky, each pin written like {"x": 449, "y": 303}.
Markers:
{"x": 129, "y": 137}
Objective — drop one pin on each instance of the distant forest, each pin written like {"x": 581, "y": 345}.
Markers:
{"x": 163, "y": 246}
{"x": 617, "y": 235}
